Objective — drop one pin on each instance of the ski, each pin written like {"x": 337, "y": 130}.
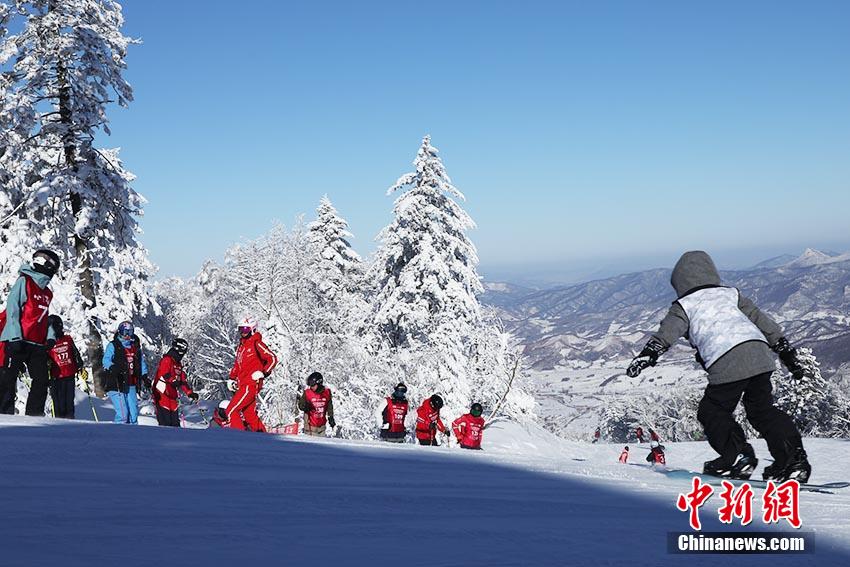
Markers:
{"x": 684, "y": 474}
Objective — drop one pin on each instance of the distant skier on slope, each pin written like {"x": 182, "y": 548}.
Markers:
{"x": 428, "y": 421}
{"x": 653, "y": 436}
{"x": 125, "y": 369}
{"x": 254, "y": 363}
{"x": 469, "y": 428}
{"x": 733, "y": 339}
{"x": 394, "y": 414}
{"x": 639, "y": 434}
{"x": 170, "y": 379}
{"x": 656, "y": 455}
{"x": 624, "y": 456}
{"x": 596, "y": 435}
{"x": 24, "y": 333}
{"x": 65, "y": 363}
{"x": 317, "y": 404}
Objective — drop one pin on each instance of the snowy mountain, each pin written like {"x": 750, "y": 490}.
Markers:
{"x": 103, "y": 494}
{"x": 608, "y": 319}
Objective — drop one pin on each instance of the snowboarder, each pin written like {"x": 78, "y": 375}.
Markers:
{"x": 317, "y": 404}
{"x": 170, "y": 378}
{"x": 25, "y": 333}
{"x": 639, "y": 434}
{"x": 624, "y": 456}
{"x": 733, "y": 339}
{"x": 65, "y": 363}
{"x": 428, "y": 421}
{"x": 656, "y": 455}
{"x": 254, "y": 363}
{"x": 125, "y": 369}
{"x": 596, "y": 435}
{"x": 394, "y": 414}
{"x": 469, "y": 428}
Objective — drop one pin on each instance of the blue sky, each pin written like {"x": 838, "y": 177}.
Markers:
{"x": 584, "y": 134}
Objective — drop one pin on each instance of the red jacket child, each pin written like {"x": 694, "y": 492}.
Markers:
{"x": 469, "y": 428}
{"x": 254, "y": 362}
{"x": 170, "y": 378}
{"x": 428, "y": 420}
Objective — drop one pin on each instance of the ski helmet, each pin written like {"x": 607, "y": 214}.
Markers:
{"x": 45, "y": 262}
{"x": 315, "y": 379}
{"x": 400, "y": 391}
{"x": 55, "y": 322}
{"x": 247, "y": 325}
{"x": 125, "y": 329}
{"x": 436, "y": 402}
{"x": 476, "y": 409}
{"x": 180, "y": 346}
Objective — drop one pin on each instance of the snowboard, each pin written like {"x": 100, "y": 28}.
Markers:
{"x": 684, "y": 474}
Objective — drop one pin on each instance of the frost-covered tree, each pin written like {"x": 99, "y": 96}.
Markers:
{"x": 425, "y": 277}
{"x": 61, "y": 71}
{"x": 337, "y": 267}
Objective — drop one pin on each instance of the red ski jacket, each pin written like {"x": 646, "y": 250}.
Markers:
{"x": 656, "y": 456}
{"x": 469, "y": 430}
{"x": 425, "y": 416}
{"x": 169, "y": 377}
{"x": 395, "y": 413}
{"x": 317, "y": 416}
{"x": 65, "y": 358}
{"x": 253, "y": 356}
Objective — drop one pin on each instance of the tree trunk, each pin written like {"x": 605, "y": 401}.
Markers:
{"x": 85, "y": 281}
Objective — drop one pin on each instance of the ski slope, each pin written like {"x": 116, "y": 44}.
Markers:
{"x": 80, "y": 493}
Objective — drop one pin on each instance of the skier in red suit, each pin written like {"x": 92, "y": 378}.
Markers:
{"x": 469, "y": 428}
{"x": 254, "y": 362}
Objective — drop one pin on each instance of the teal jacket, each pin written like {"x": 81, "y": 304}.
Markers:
{"x": 15, "y": 302}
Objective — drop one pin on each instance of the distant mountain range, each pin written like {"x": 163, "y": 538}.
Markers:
{"x": 609, "y": 319}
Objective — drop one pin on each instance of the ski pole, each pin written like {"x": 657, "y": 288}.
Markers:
{"x": 203, "y": 413}
{"x": 84, "y": 378}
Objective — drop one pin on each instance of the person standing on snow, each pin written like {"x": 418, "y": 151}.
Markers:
{"x": 428, "y": 421}
{"x": 317, "y": 404}
{"x": 624, "y": 456}
{"x": 394, "y": 415}
{"x": 170, "y": 379}
{"x": 26, "y": 336}
{"x": 639, "y": 434}
{"x": 125, "y": 369}
{"x": 733, "y": 339}
{"x": 653, "y": 436}
{"x": 65, "y": 363}
{"x": 596, "y": 435}
{"x": 469, "y": 428}
{"x": 254, "y": 363}
{"x": 656, "y": 455}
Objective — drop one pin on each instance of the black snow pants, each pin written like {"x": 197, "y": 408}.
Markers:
{"x": 62, "y": 393}
{"x": 727, "y": 437}
{"x": 166, "y": 417}
{"x": 34, "y": 359}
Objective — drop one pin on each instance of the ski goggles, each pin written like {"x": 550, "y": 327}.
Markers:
{"x": 245, "y": 330}
{"x": 125, "y": 330}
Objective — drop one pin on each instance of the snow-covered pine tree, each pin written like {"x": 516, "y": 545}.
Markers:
{"x": 337, "y": 267}
{"x": 63, "y": 69}
{"x": 426, "y": 280}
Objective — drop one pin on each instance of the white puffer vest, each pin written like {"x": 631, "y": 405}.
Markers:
{"x": 717, "y": 325}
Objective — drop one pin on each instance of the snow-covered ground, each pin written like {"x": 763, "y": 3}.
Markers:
{"x": 79, "y": 493}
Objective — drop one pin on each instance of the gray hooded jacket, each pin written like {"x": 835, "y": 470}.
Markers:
{"x": 695, "y": 271}
{"x": 15, "y": 302}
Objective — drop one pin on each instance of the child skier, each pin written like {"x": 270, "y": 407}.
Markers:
{"x": 25, "y": 333}
{"x": 656, "y": 455}
{"x": 254, "y": 362}
{"x": 733, "y": 339}
{"x": 170, "y": 378}
{"x": 394, "y": 415}
{"x": 428, "y": 421}
{"x": 317, "y": 404}
{"x": 125, "y": 368}
{"x": 65, "y": 362}
{"x": 624, "y": 456}
{"x": 469, "y": 428}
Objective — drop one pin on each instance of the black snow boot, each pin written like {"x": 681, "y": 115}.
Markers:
{"x": 798, "y": 467}
{"x": 743, "y": 467}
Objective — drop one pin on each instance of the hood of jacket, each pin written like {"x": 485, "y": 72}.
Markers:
{"x": 41, "y": 280}
{"x": 694, "y": 270}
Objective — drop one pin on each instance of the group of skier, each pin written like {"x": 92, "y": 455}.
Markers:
{"x": 732, "y": 337}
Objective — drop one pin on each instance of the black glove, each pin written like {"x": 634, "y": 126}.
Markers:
{"x": 788, "y": 356}
{"x": 647, "y": 357}
{"x": 194, "y": 397}
{"x": 15, "y": 347}
{"x": 433, "y": 427}
{"x": 331, "y": 421}
{"x": 50, "y": 343}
